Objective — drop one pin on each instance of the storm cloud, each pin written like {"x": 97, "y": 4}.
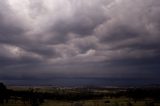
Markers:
{"x": 85, "y": 38}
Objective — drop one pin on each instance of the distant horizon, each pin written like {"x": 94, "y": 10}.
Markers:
{"x": 83, "y": 82}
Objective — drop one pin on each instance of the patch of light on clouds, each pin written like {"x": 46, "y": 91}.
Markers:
{"x": 90, "y": 52}
{"x": 16, "y": 52}
{"x": 12, "y": 51}
{"x": 20, "y": 7}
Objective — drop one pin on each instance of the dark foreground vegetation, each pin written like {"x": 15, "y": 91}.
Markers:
{"x": 36, "y": 97}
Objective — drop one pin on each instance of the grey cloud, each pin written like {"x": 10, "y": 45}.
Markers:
{"x": 119, "y": 33}
{"x": 76, "y": 38}
{"x": 85, "y": 44}
{"x": 11, "y": 28}
{"x": 81, "y": 20}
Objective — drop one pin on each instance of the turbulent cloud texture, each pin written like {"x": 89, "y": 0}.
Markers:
{"x": 84, "y": 38}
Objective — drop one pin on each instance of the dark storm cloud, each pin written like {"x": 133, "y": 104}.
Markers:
{"x": 83, "y": 21}
{"x": 94, "y": 38}
{"x": 120, "y": 33}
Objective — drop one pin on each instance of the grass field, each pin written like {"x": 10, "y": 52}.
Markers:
{"x": 70, "y": 97}
{"x": 97, "y": 102}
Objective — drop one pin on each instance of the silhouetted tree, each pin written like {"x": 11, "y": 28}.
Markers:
{"x": 3, "y": 93}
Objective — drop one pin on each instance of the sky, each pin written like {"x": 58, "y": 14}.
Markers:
{"x": 41, "y": 39}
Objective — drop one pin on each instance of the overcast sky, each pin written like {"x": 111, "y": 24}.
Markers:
{"x": 79, "y": 38}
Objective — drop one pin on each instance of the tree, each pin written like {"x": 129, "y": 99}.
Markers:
{"x": 3, "y": 91}
{"x": 2, "y": 87}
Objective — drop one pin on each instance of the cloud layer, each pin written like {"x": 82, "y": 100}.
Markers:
{"x": 70, "y": 38}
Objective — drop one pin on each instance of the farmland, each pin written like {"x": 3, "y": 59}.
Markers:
{"x": 84, "y": 96}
